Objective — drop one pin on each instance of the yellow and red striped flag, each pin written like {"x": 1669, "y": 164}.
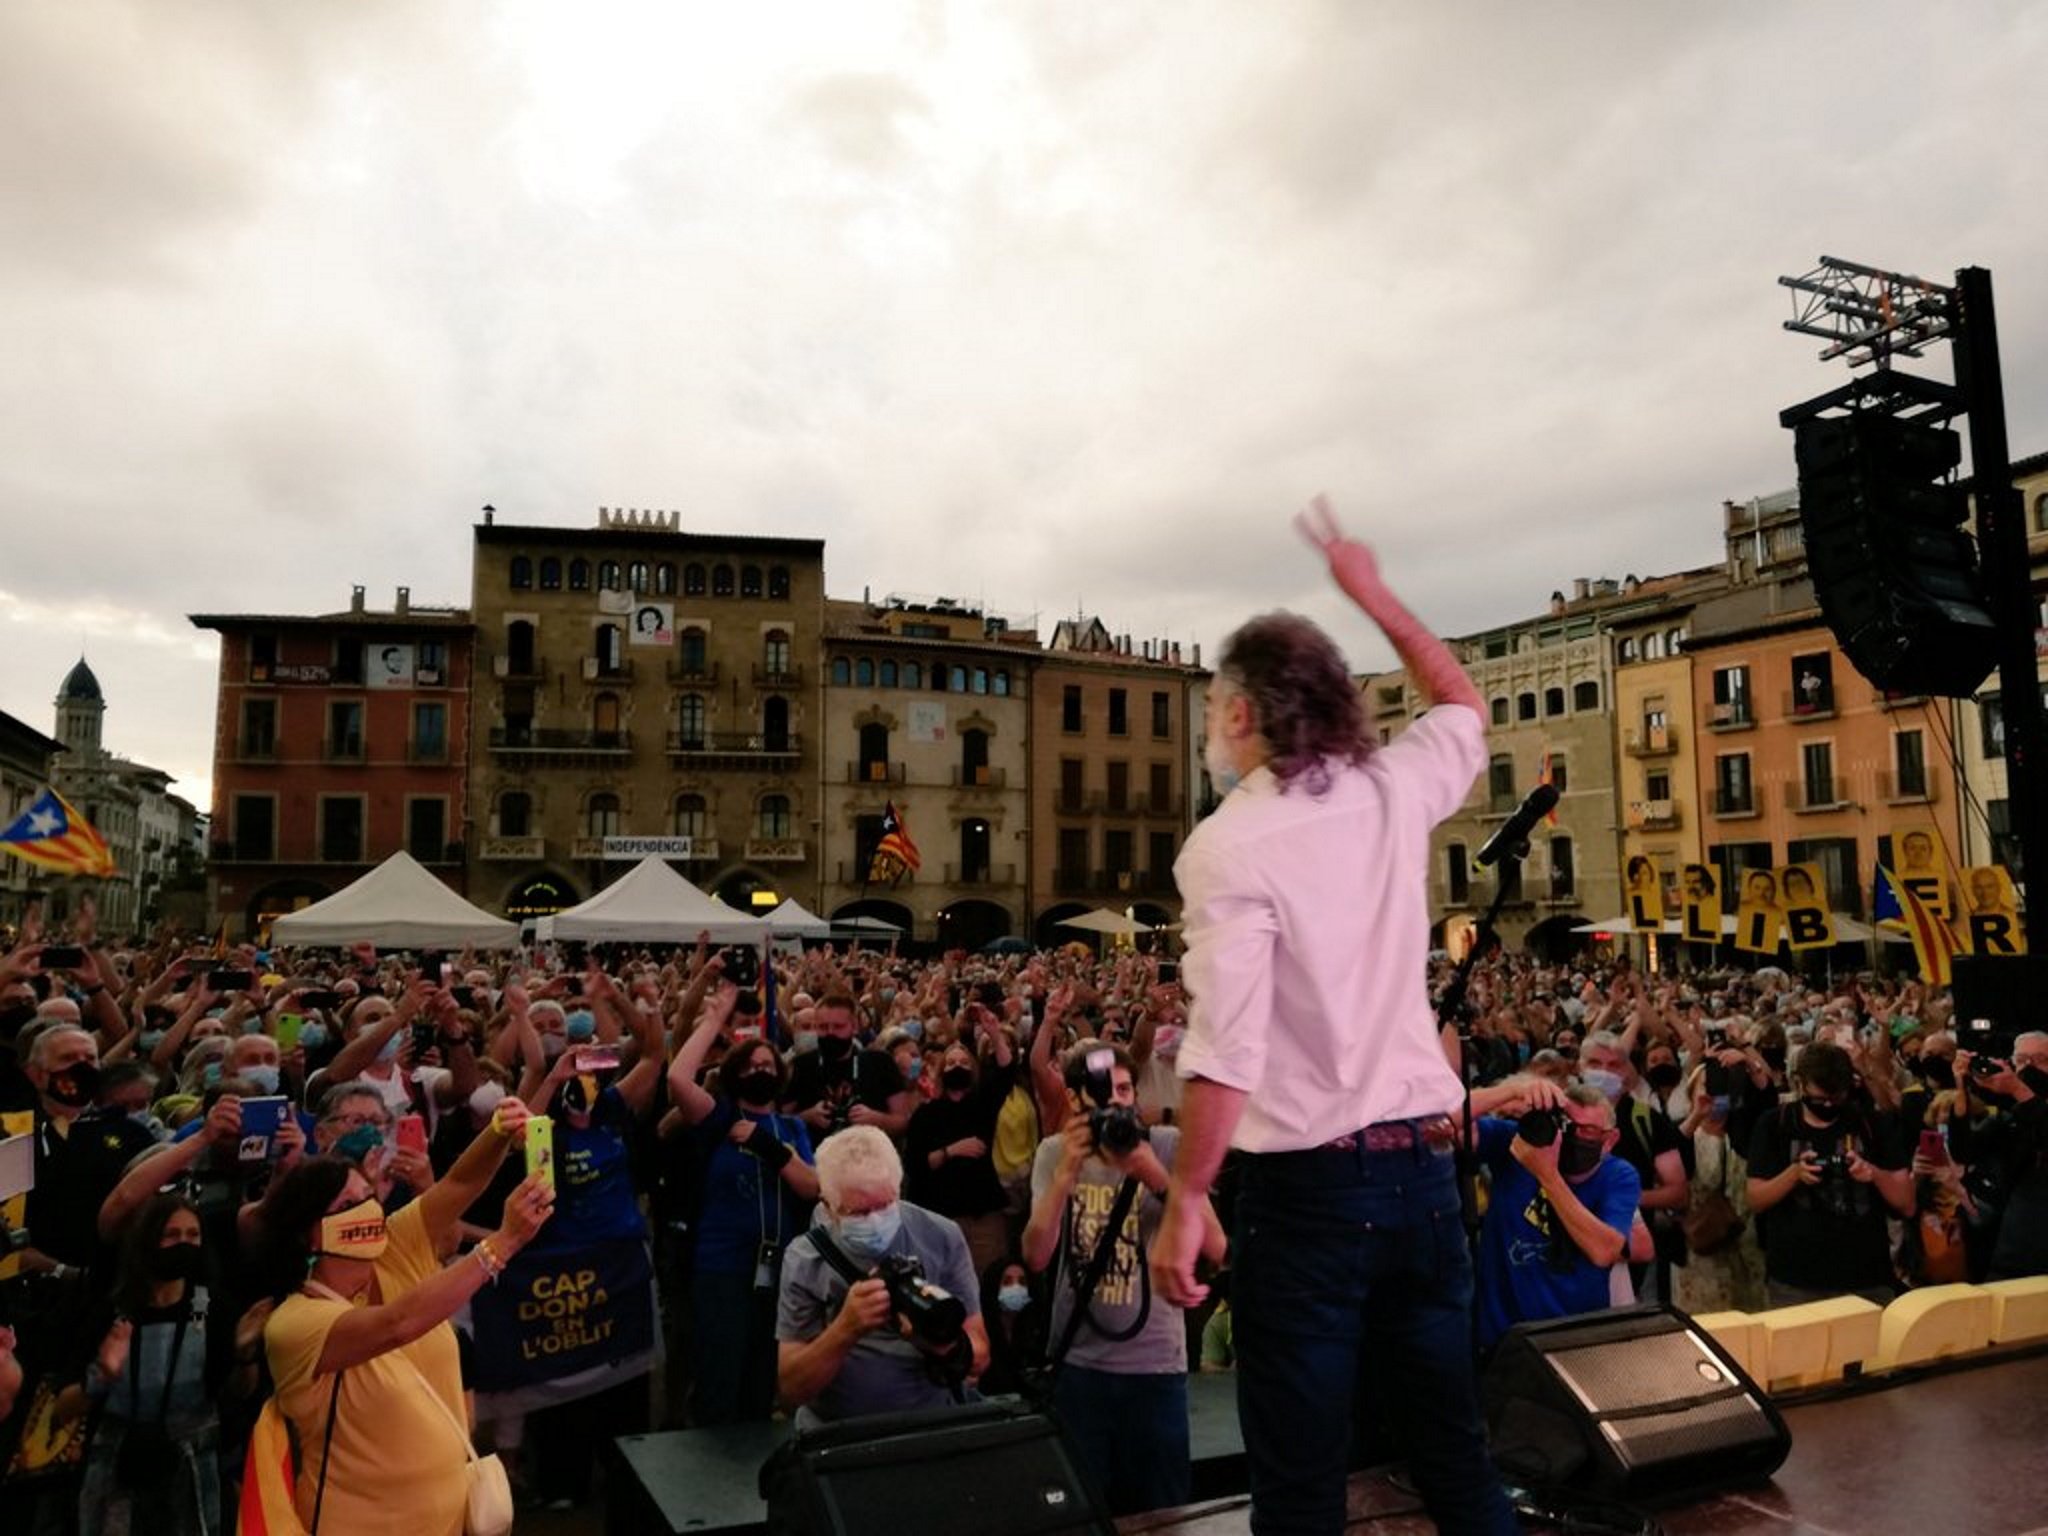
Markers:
{"x": 895, "y": 854}
{"x": 1934, "y": 942}
{"x": 53, "y": 835}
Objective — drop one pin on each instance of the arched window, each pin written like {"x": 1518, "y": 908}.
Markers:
{"x": 913, "y": 675}
{"x": 874, "y": 752}
{"x": 665, "y": 578}
{"x": 1500, "y": 711}
{"x": 550, "y": 574}
{"x": 1585, "y": 695}
{"x": 721, "y": 581}
{"x": 1653, "y": 647}
{"x": 692, "y": 818}
{"x": 691, "y": 652}
{"x": 1002, "y": 682}
{"x": 636, "y": 575}
{"x": 778, "y": 581}
{"x": 1626, "y": 650}
{"x": 608, "y": 575}
{"x": 938, "y": 677}
{"x": 1553, "y": 701}
{"x": 601, "y": 818}
{"x": 750, "y": 581}
{"x": 690, "y": 722}
{"x": 579, "y": 575}
{"x": 693, "y": 580}
{"x": 515, "y": 813}
{"x": 522, "y": 573}
{"x": 772, "y": 818}
{"x": 888, "y": 674}
{"x": 956, "y": 680}
{"x": 974, "y": 757}
{"x": 1525, "y": 706}
{"x": 981, "y": 679}
{"x": 864, "y": 672}
{"x": 842, "y": 672}
{"x": 775, "y": 652}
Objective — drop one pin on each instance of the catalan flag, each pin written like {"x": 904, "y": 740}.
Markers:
{"x": 895, "y": 854}
{"x": 50, "y": 833}
{"x": 1934, "y": 943}
{"x": 1544, "y": 776}
{"x": 268, "y": 1507}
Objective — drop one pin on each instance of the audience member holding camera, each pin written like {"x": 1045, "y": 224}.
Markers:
{"x": 1561, "y": 1209}
{"x": 1098, "y": 1191}
{"x": 2012, "y": 1145}
{"x": 841, "y": 1084}
{"x": 1825, "y": 1173}
{"x": 906, "y": 1331}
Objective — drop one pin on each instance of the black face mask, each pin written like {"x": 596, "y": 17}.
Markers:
{"x": 957, "y": 1079}
{"x": 835, "y": 1047}
{"x": 76, "y": 1086}
{"x": 758, "y": 1087}
{"x": 1576, "y": 1155}
{"x": 1665, "y": 1076}
{"x": 14, "y": 1015}
{"x": 1938, "y": 1071}
{"x": 2036, "y": 1079}
{"x": 1773, "y": 1055}
{"x": 1822, "y": 1111}
{"x": 180, "y": 1261}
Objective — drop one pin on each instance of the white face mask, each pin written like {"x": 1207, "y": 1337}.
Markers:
{"x": 485, "y": 1100}
{"x": 1221, "y": 772}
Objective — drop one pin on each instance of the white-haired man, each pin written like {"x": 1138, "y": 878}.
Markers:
{"x": 843, "y": 1350}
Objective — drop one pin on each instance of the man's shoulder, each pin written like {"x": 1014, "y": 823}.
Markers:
{"x": 929, "y": 1227}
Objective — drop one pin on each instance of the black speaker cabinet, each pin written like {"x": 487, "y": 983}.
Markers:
{"x": 985, "y": 1469}
{"x": 1637, "y": 1404}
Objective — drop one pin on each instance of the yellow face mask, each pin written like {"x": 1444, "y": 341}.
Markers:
{"x": 356, "y": 1233}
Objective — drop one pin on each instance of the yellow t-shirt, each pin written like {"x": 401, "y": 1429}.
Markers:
{"x": 398, "y": 1463}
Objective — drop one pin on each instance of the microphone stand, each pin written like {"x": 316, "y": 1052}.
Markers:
{"x": 1453, "y": 1006}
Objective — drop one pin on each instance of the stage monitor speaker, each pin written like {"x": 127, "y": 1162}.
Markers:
{"x": 990, "y": 1469}
{"x": 1637, "y": 1404}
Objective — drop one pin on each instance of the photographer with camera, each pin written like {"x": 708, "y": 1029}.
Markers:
{"x": 1560, "y": 1213}
{"x": 1098, "y": 1191}
{"x": 2010, "y": 1146}
{"x": 907, "y": 1331}
{"x": 839, "y": 1084}
{"x": 1825, "y": 1172}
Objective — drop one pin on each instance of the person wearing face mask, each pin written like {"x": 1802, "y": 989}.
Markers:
{"x": 839, "y": 1084}
{"x": 2012, "y": 1146}
{"x": 1651, "y": 1145}
{"x": 947, "y": 1151}
{"x": 754, "y": 1187}
{"x": 360, "y": 1350}
{"x": 164, "y": 1358}
{"x": 1016, "y": 1320}
{"x": 81, "y": 1153}
{"x": 1730, "y": 1276}
{"x": 1558, "y": 1218}
{"x": 1825, "y": 1172}
{"x": 841, "y": 1350}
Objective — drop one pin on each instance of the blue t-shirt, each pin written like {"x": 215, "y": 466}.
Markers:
{"x": 594, "y": 1198}
{"x": 1518, "y": 1280}
{"x": 744, "y": 1203}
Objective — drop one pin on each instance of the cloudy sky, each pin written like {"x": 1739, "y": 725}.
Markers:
{"x": 1044, "y": 305}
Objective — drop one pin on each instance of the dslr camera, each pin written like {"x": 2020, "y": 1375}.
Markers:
{"x": 1116, "y": 1128}
{"x": 935, "y": 1316}
{"x": 1539, "y": 1127}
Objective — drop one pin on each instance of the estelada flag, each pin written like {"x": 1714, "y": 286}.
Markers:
{"x": 895, "y": 854}
{"x": 51, "y": 834}
{"x": 1544, "y": 776}
{"x": 1934, "y": 943}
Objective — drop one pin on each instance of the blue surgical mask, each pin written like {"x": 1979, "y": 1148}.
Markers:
{"x": 209, "y": 1075}
{"x": 888, "y": 996}
{"x": 806, "y": 1040}
{"x": 313, "y": 1038}
{"x": 914, "y": 1028}
{"x": 359, "y": 1143}
{"x": 264, "y": 1076}
{"x": 389, "y": 1050}
{"x": 147, "y": 1042}
{"x": 1013, "y": 1298}
{"x": 1609, "y": 1083}
{"x": 253, "y": 1025}
{"x": 868, "y": 1237}
{"x": 581, "y": 1026}
{"x": 913, "y": 1069}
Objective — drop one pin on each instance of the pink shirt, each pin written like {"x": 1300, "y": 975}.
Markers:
{"x": 1307, "y": 931}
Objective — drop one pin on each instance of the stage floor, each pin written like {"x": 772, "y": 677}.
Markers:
{"x": 1966, "y": 1451}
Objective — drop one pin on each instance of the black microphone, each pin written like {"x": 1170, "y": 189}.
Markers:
{"x": 1512, "y": 840}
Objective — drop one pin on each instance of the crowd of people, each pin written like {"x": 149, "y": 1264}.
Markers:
{"x": 269, "y": 1178}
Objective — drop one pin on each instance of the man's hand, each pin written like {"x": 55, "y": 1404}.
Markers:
{"x": 224, "y": 1121}
{"x": 1860, "y": 1169}
{"x": 866, "y": 1308}
{"x": 1807, "y": 1170}
{"x": 818, "y": 1117}
{"x": 1175, "y": 1248}
{"x": 1351, "y": 563}
{"x": 290, "y": 1141}
{"x": 1540, "y": 1161}
{"x": 967, "y": 1146}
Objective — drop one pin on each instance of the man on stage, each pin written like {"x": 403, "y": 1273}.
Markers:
{"x": 1312, "y": 1048}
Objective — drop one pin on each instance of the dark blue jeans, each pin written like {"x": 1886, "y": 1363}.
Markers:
{"x": 1130, "y": 1434}
{"x": 1340, "y": 1254}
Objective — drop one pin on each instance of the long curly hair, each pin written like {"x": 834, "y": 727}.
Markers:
{"x": 1303, "y": 699}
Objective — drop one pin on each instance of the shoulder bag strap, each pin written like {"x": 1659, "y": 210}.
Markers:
{"x": 469, "y": 1449}
{"x": 326, "y": 1450}
{"x": 1091, "y": 1277}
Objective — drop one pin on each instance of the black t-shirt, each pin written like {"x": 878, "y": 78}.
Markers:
{"x": 2007, "y": 1154}
{"x": 1829, "y": 1236}
{"x": 75, "y": 1173}
{"x": 959, "y": 1186}
{"x": 865, "y": 1077}
{"x": 1646, "y": 1134}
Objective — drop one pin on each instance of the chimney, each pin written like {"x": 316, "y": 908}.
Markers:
{"x": 1198, "y": 653}
{"x": 490, "y": 512}
{"x": 404, "y": 604}
{"x": 355, "y": 599}
{"x": 1582, "y": 588}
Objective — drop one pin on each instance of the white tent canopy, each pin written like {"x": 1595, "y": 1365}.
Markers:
{"x": 397, "y": 905}
{"x": 652, "y": 904}
{"x": 1103, "y": 920}
{"x": 792, "y": 920}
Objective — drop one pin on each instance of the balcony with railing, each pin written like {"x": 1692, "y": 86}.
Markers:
{"x": 734, "y": 748}
{"x": 788, "y": 676}
{"x": 986, "y": 776}
{"x": 1809, "y": 795}
{"x": 256, "y": 749}
{"x": 427, "y": 751}
{"x": 1071, "y": 803}
{"x": 1159, "y": 805}
{"x": 1914, "y": 788}
{"x": 342, "y": 749}
{"x": 876, "y": 772}
{"x": 533, "y": 670}
{"x": 597, "y": 670}
{"x": 494, "y": 849}
{"x": 1073, "y": 882}
{"x": 981, "y": 875}
{"x": 1653, "y": 741}
{"x": 1810, "y": 704}
{"x": 512, "y": 739}
{"x": 1561, "y": 891}
{"x": 1653, "y": 815}
{"x": 700, "y": 674}
{"x": 1734, "y": 715}
{"x": 776, "y": 850}
{"x": 1735, "y": 802}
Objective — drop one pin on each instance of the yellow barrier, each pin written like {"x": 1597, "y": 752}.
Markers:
{"x": 1738, "y": 1333}
{"x": 2019, "y": 1309}
{"x": 1818, "y": 1342}
{"x": 1934, "y": 1323}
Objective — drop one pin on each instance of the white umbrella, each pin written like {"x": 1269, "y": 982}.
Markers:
{"x": 1103, "y": 920}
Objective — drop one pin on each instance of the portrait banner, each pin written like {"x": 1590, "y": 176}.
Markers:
{"x": 1991, "y": 912}
{"x": 1803, "y": 897}
{"x": 1759, "y": 920}
{"x": 1699, "y": 890}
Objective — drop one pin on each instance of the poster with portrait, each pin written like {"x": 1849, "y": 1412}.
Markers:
{"x": 1991, "y": 912}
{"x": 1759, "y": 920}
{"x": 928, "y": 721}
{"x": 1803, "y": 896}
{"x": 653, "y": 624}
{"x": 388, "y": 666}
{"x": 1645, "y": 886}
{"x": 1699, "y": 896}
{"x": 1918, "y": 862}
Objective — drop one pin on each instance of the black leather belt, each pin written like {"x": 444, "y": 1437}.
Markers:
{"x": 1432, "y": 1133}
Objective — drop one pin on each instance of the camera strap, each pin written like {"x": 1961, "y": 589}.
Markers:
{"x": 1091, "y": 1277}
{"x": 835, "y": 1256}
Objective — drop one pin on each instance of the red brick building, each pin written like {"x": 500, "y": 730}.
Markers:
{"x": 338, "y": 739}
